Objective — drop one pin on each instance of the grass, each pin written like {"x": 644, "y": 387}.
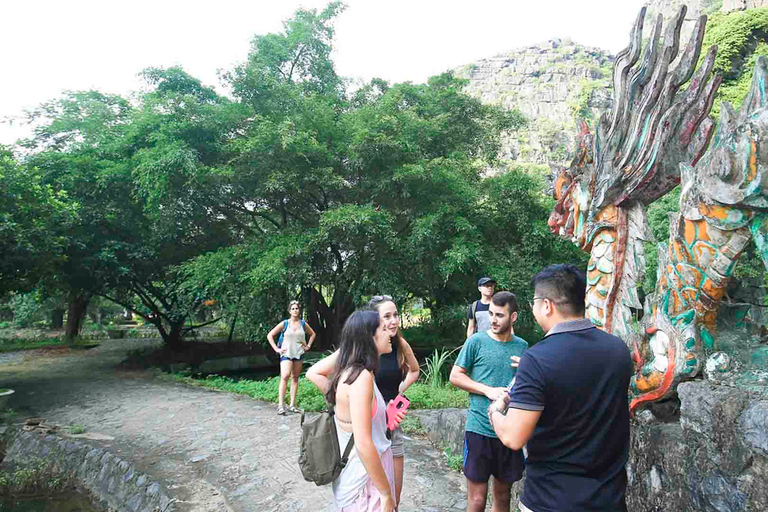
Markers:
{"x": 454, "y": 461}
{"x": 433, "y": 368}
{"x": 38, "y": 477}
{"x": 14, "y": 344}
{"x": 309, "y": 398}
{"x": 412, "y": 425}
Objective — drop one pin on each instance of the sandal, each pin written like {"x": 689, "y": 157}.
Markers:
{"x": 294, "y": 409}
{"x": 281, "y": 411}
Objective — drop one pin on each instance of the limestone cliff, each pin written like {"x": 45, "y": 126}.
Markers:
{"x": 552, "y": 84}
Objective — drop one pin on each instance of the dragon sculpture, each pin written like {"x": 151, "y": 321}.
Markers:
{"x": 658, "y": 135}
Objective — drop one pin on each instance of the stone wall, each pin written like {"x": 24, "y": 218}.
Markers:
{"x": 712, "y": 455}
{"x": 110, "y": 479}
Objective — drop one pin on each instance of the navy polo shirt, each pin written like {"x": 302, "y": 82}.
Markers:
{"x": 578, "y": 377}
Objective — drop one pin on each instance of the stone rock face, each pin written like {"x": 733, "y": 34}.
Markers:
{"x": 552, "y": 84}
{"x": 714, "y": 459}
{"x": 742, "y": 5}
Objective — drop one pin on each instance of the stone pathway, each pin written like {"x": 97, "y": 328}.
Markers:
{"x": 214, "y": 451}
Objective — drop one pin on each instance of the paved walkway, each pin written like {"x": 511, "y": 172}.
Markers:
{"x": 214, "y": 451}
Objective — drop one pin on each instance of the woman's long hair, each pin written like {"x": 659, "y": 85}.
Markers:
{"x": 357, "y": 350}
{"x": 374, "y": 305}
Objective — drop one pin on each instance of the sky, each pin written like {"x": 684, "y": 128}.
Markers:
{"x": 49, "y": 46}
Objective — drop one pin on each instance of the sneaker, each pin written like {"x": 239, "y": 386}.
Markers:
{"x": 294, "y": 409}
{"x": 281, "y": 411}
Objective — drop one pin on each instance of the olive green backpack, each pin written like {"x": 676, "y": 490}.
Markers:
{"x": 320, "y": 458}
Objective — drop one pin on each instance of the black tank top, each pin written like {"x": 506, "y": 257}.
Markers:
{"x": 389, "y": 376}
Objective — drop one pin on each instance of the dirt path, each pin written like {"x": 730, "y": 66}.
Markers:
{"x": 214, "y": 451}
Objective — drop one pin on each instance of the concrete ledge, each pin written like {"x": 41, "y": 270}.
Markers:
{"x": 110, "y": 479}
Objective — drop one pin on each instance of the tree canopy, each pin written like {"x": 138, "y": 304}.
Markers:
{"x": 292, "y": 186}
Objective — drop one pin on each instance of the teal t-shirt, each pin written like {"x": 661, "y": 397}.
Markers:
{"x": 487, "y": 361}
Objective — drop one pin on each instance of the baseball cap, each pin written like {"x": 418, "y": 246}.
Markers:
{"x": 485, "y": 280}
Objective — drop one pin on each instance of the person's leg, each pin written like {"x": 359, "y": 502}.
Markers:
{"x": 398, "y": 453}
{"x": 285, "y": 373}
{"x": 507, "y": 469}
{"x": 500, "y": 495}
{"x": 399, "y": 463}
{"x": 477, "y": 470}
{"x": 295, "y": 372}
{"x": 476, "y": 495}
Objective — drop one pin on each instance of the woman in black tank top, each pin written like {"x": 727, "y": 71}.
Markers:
{"x": 397, "y": 371}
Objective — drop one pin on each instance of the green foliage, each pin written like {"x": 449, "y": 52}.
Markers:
{"x": 455, "y": 461}
{"x": 739, "y": 36}
{"x": 76, "y": 429}
{"x": 37, "y": 477}
{"x": 14, "y": 344}
{"x": 309, "y": 397}
{"x": 412, "y": 426}
{"x": 436, "y": 368}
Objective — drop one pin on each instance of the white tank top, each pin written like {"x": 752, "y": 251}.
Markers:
{"x": 292, "y": 341}
{"x": 354, "y": 476}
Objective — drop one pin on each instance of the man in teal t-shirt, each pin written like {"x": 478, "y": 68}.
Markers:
{"x": 484, "y": 369}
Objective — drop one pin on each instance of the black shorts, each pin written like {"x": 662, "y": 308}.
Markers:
{"x": 486, "y": 456}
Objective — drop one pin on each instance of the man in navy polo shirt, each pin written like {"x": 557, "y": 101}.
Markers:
{"x": 569, "y": 404}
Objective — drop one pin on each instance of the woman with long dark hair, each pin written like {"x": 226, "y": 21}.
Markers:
{"x": 398, "y": 369}
{"x": 367, "y": 481}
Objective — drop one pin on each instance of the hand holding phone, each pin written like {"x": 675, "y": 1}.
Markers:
{"x": 396, "y": 410}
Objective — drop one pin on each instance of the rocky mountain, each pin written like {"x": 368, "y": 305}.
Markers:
{"x": 557, "y": 82}
{"x": 552, "y": 84}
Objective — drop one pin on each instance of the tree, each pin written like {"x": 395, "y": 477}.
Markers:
{"x": 34, "y": 220}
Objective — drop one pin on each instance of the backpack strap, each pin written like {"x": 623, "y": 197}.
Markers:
{"x": 285, "y": 326}
{"x": 473, "y": 308}
{"x": 347, "y": 450}
{"x": 350, "y": 443}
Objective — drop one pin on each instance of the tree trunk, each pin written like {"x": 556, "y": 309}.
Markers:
{"x": 78, "y": 303}
{"x": 328, "y": 321}
{"x": 57, "y": 318}
{"x": 173, "y": 338}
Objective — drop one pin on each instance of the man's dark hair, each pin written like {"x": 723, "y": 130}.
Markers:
{"x": 501, "y": 299}
{"x": 563, "y": 284}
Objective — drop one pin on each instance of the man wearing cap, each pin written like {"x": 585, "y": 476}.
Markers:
{"x": 479, "y": 321}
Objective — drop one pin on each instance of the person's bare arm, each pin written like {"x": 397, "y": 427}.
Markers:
{"x": 360, "y": 399}
{"x": 413, "y": 367}
{"x": 516, "y": 427}
{"x": 312, "y": 334}
{"x": 470, "y": 327}
{"x": 319, "y": 373}
{"x": 271, "y": 337}
{"x": 461, "y": 380}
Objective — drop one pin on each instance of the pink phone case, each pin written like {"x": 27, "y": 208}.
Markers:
{"x": 400, "y": 403}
